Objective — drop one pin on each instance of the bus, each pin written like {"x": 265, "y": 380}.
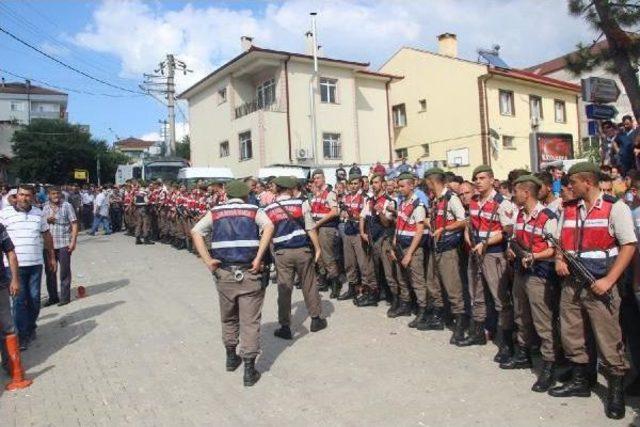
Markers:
{"x": 151, "y": 169}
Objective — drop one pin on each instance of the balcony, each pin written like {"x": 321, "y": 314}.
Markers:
{"x": 51, "y": 115}
{"x": 257, "y": 105}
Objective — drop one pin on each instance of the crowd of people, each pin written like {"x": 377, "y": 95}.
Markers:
{"x": 537, "y": 263}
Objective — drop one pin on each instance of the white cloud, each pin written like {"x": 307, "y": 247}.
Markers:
{"x": 182, "y": 129}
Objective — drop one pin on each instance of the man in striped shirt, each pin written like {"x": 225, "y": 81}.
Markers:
{"x": 29, "y": 232}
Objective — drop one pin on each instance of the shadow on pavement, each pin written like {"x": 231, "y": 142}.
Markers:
{"x": 56, "y": 334}
{"x": 273, "y": 347}
{"x": 106, "y": 287}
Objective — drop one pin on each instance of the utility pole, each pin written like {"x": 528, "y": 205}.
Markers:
{"x": 164, "y": 83}
{"x": 312, "y": 89}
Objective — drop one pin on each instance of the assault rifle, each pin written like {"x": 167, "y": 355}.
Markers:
{"x": 580, "y": 274}
{"x": 520, "y": 251}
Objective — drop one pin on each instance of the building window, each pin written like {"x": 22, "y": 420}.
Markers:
{"x": 266, "y": 93}
{"x": 17, "y": 106}
{"x": 507, "y": 108}
{"x": 402, "y": 153}
{"x": 560, "y": 111}
{"x": 331, "y": 146}
{"x": 423, "y": 105}
{"x": 246, "y": 151}
{"x": 222, "y": 95}
{"x": 328, "y": 90}
{"x": 224, "y": 149}
{"x": 399, "y": 115}
{"x": 425, "y": 150}
{"x": 507, "y": 142}
{"x": 535, "y": 107}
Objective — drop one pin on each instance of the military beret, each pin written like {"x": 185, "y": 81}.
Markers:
{"x": 584, "y": 167}
{"x": 433, "y": 171}
{"x": 482, "y": 168}
{"x": 317, "y": 172}
{"x": 237, "y": 189}
{"x": 406, "y": 175}
{"x": 285, "y": 182}
{"x": 354, "y": 176}
{"x": 528, "y": 178}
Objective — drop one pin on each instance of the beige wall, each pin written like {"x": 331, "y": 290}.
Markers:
{"x": 452, "y": 118}
{"x": 519, "y": 125}
{"x": 359, "y": 116}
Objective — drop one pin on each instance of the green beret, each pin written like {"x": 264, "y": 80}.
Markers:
{"x": 433, "y": 171}
{"x": 406, "y": 175}
{"x": 528, "y": 178}
{"x": 584, "y": 167}
{"x": 482, "y": 168}
{"x": 354, "y": 176}
{"x": 317, "y": 172}
{"x": 237, "y": 189}
{"x": 285, "y": 182}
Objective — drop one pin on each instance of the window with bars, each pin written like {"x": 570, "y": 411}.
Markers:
{"x": 331, "y": 146}
{"x": 224, "y": 149}
{"x": 266, "y": 93}
{"x": 328, "y": 90}
{"x": 507, "y": 107}
{"x": 246, "y": 151}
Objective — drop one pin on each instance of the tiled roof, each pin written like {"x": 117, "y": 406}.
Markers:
{"x": 134, "y": 143}
{"x": 21, "y": 88}
{"x": 560, "y": 62}
{"x": 535, "y": 78}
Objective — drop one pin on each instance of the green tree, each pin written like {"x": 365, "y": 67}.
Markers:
{"x": 183, "y": 148}
{"x": 49, "y": 151}
{"x": 613, "y": 19}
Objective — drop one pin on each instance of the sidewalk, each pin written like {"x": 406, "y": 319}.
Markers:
{"x": 143, "y": 348}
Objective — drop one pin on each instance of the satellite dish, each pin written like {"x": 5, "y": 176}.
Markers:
{"x": 493, "y": 133}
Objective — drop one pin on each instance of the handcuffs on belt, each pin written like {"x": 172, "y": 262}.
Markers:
{"x": 236, "y": 270}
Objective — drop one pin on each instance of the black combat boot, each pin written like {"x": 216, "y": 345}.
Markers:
{"x": 577, "y": 386}
{"x": 323, "y": 284}
{"x": 317, "y": 324}
{"x": 368, "y": 299}
{"x": 404, "y": 309}
{"x": 520, "y": 360}
{"x": 233, "y": 360}
{"x": 283, "y": 332}
{"x": 418, "y": 318}
{"x": 545, "y": 379}
{"x": 434, "y": 322}
{"x": 395, "y": 302}
{"x": 615, "y": 397}
{"x": 458, "y": 331}
{"x": 349, "y": 293}
{"x": 138, "y": 240}
{"x": 335, "y": 288}
{"x": 148, "y": 241}
{"x": 251, "y": 376}
{"x": 505, "y": 346}
{"x": 476, "y": 335}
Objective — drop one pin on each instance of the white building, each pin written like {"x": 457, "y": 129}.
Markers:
{"x": 254, "y": 111}
{"x": 23, "y": 102}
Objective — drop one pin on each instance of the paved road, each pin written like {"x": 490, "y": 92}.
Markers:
{"x": 143, "y": 348}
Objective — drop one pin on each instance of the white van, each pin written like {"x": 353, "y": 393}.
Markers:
{"x": 300, "y": 172}
{"x": 190, "y": 176}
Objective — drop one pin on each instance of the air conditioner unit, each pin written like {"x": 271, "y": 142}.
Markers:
{"x": 302, "y": 154}
{"x": 535, "y": 121}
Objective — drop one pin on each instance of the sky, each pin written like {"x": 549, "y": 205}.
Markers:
{"x": 117, "y": 41}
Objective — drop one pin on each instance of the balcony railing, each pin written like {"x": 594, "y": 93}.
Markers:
{"x": 255, "y": 105}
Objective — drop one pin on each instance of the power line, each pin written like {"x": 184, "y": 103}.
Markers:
{"x": 72, "y": 68}
{"x": 67, "y": 88}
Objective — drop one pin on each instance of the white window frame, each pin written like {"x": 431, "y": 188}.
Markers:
{"x": 266, "y": 93}
{"x": 556, "y": 103}
{"x": 228, "y": 151}
{"x": 402, "y": 153}
{"x": 222, "y": 95}
{"x": 17, "y": 106}
{"x": 246, "y": 146}
{"x": 399, "y": 113}
{"x": 331, "y": 146}
{"x": 535, "y": 112}
{"x": 507, "y": 103}
{"x": 328, "y": 90}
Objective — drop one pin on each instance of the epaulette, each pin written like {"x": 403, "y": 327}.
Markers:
{"x": 499, "y": 198}
{"x": 549, "y": 213}
{"x": 609, "y": 198}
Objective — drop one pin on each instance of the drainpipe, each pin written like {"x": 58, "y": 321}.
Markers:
{"x": 484, "y": 117}
{"x": 386, "y": 86}
{"x": 579, "y": 141}
{"x": 286, "y": 86}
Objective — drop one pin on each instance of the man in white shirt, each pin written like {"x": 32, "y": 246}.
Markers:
{"x": 101, "y": 212}
{"x": 29, "y": 233}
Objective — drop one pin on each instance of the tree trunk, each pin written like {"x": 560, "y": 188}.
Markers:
{"x": 618, "y": 41}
